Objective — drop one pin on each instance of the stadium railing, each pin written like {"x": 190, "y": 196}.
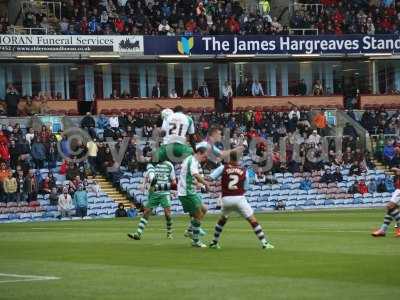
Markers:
{"x": 303, "y": 31}
{"x": 49, "y": 8}
{"x": 296, "y": 6}
{"x": 28, "y": 30}
{"x": 286, "y": 102}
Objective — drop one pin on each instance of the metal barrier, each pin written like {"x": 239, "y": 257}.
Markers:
{"x": 317, "y": 7}
{"x": 49, "y": 8}
{"x": 343, "y": 118}
{"x": 28, "y": 30}
{"x": 303, "y": 31}
{"x": 374, "y": 139}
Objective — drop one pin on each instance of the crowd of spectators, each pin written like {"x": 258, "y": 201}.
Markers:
{"x": 209, "y": 17}
{"x": 22, "y": 152}
{"x": 162, "y": 17}
{"x": 349, "y": 17}
{"x": 23, "y": 156}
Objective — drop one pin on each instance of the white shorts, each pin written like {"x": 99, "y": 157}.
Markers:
{"x": 237, "y": 204}
{"x": 395, "y": 197}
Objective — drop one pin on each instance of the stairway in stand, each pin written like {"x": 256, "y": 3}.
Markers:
{"x": 111, "y": 191}
{"x": 380, "y": 166}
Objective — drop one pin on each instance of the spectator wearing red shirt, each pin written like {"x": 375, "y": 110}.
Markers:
{"x": 338, "y": 17}
{"x": 191, "y": 26}
{"x": 4, "y": 153}
{"x": 362, "y": 187}
{"x": 84, "y": 26}
{"x": 119, "y": 25}
{"x": 386, "y": 25}
{"x": 233, "y": 25}
{"x": 258, "y": 117}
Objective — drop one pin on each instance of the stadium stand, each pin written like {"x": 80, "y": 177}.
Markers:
{"x": 347, "y": 17}
{"x": 188, "y": 17}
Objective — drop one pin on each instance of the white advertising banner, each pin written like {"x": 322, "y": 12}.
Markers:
{"x": 72, "y": 43}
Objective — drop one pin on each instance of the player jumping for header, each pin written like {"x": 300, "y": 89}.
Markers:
{"x": 234, "y": 182}
{"x": 175, "y": 127}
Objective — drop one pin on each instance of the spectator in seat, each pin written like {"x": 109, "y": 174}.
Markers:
{"x": 270, "y": 179}
{"x": 327, "y": 177}
{"x": 349, "y": 130}
{"x": 362, "y": 187}
{"x": 12, "y": 100}
{"x": 372, "y": 186}
{"x": 242, "y": 88}
{"x": 92, "y": 156}
{"x": 72, "y": 171}
{"x": 280, "y": 205}
{"x": 355, "y": 169}
{"x": 388, "y": 153}
{"x": 164, "y": 27}
{"x": 318, "y": 89}
{"x": 10, "y": 188}
{"x": 173, "y": 94}
{"x": 203, "y": 90}
{"x": 389, "y": 184}
{"x": 264, "y": 7}
{"x": 30, "y": 108}
{"x": 227, "y": 94}
{"x": 4, "y": 172}
{"x": 31, "y": 186}
{"x": 53, "y": 197}
{"x": 354, "y": 188}
{"x": 302, "y": 88}
{"x": 314, "y": 139}
{"x": 256, "y": 89}
{"x": 65, "y": 204}
{"x": 114, "y": 95}
{"x": 338, "y": 175}
{"x": 260, "y": 177}
{"x": 81, "y": 202}
{"x": 196, "y": 94}
{"x": 121, "y": 212}
{"x": 46, "y": 186}
{"x": 4, "y": 151}
{"x": 320, "y": 122}
{"x": 89, "y": 124}
{"x": 294, "y": 113}
{"x": 156, "y": 91}
{"x": 38, "y": 151}
{"x": 369, "y": 162}
{"x": 102, "y": 122}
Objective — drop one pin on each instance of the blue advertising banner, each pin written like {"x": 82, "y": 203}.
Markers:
{"x": 267, "y": 44}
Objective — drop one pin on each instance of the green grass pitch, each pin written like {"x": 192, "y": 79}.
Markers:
{"x": 318, "y": 255}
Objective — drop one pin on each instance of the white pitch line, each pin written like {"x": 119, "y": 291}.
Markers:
{"x": 25, "y": 278}
{"x": 46, "y": 228}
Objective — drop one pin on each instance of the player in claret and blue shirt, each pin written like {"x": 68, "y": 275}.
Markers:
{"x": 234, "y": 181}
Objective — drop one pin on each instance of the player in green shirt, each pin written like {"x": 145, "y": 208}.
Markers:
{"x": 191, "y": 201}
{"x": 160, "y": 179}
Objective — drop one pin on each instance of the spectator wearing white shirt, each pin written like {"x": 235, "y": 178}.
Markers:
{"x": 203, "y": 90}
{"x": 294, "y": 112}
{"x": 314, "y": 138}
{"x": 173, "y": 94}
{"x": 276, "y": 26}
{"x": 164, "y": 27}
{"x": 227, "y": 91}
{"x": 114, "y": 123}
{"x": 256, "y": 89}
{"x": 65, "y": 204}
{"x": 30, "y": 135}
